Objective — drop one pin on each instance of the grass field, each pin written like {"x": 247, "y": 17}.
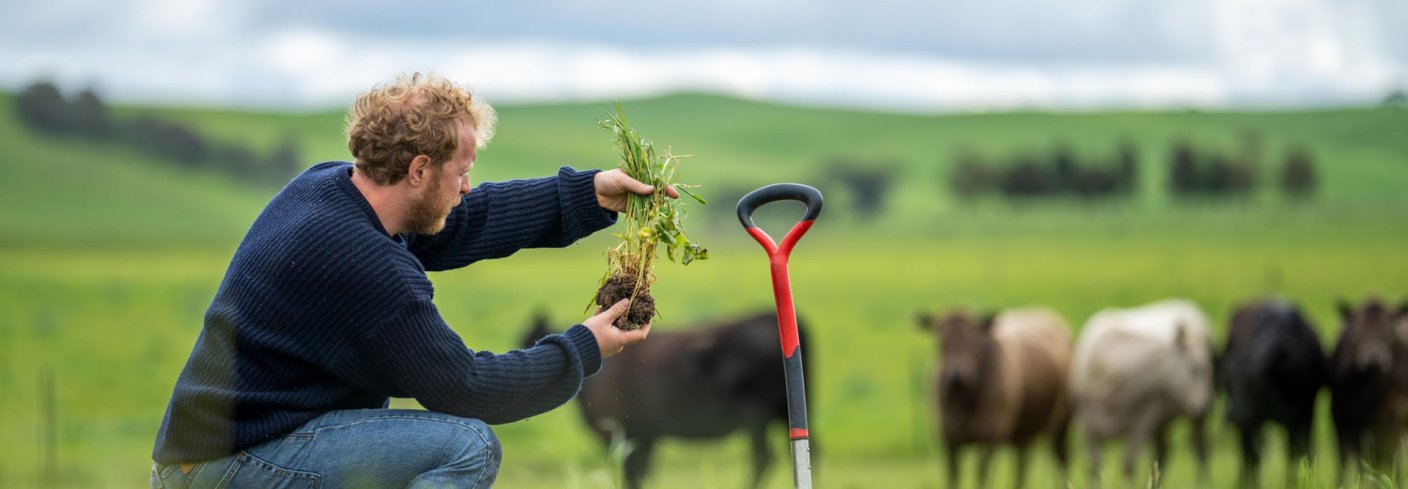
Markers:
{"x": 108, "y": 260}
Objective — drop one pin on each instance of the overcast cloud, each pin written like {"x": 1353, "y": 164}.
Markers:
{"x": 889, "y": 54}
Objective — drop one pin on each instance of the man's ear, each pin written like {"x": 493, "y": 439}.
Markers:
{"x": 419, "y": 170}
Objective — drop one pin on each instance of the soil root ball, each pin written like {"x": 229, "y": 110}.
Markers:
{"x": 619, "y": 287}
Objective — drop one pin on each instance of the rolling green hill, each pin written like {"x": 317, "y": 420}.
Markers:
{"x": 63, "y": 190}
{"x": 108, "y": 258}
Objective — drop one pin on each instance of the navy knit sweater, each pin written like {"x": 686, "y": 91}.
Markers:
{"x": 321, "y": 310}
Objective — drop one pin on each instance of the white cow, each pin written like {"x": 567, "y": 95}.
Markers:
{"x": 1137, "y": 370}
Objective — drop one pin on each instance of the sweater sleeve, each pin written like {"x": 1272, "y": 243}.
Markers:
{"x": 419, "y": 355}
{"x": 498, "y": 219}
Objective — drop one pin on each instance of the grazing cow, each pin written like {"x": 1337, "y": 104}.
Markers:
{"x": 1273, "y": 368}
{"x": 1002, "y": 380}
{"x": 1369, "y": 384}
{"x": 1135, "y": 372}
{"x": 702, "y": 383}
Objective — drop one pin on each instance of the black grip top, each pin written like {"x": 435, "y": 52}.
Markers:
{"x": 775, "y": 192}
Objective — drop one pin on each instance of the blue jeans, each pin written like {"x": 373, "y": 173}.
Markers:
{"x": 370, "y": 448}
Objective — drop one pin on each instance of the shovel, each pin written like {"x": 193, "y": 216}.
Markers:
{"x": 786, "y": 313}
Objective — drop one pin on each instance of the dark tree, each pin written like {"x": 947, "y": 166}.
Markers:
{"x": 867, "y": 183}
{"x": 1028, "y": 177}
{"x": 1298, "y": 178}
{"x": 1127, "y": 164}
{"x": 1396, "y": 98}
{"x": 237, "y": 159}
{"x": 167, "y": 139}
{"x": 1093, "y": 182}
{"x": 1183, "y": 168}
{"x": 284, "y": 161}
{"x": 1067, "y": 169}
{"x": 90, "y": 115}
{"x": 42, "y": 107}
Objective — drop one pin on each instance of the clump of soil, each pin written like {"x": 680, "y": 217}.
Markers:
{"x": 623, "y": 286}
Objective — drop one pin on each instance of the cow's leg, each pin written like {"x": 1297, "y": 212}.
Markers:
{"x": 762, "y": 455}
{"x": 1134, "y": 443}
{"x": 1160, "y": 456}
{"x": 1092, "y": 451}
{"x": 1060, "y": 446}
{"x": 1298, "y": 451}
{"x": 1021, "y": 466}
{"x": 1251, "y": 456}
{"x": 984, "y": 461}
{"x": 1200, "y": 447}
{"x": 951, "y": 450}
{"x": 1348, "y": 457}
{"x": 638, "y": 462}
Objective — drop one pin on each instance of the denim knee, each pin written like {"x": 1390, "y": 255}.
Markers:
{"x": 477, "y": 441}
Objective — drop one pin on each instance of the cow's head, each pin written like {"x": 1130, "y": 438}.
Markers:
{"x": 1400, "y": 327}
{"x": 1370, "y": 330}
{"x": 966, "y": 348}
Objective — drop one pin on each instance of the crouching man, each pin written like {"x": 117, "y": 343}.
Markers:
{"x": 325, "y": 313}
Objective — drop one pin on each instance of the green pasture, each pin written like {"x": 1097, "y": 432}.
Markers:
{"x": 108, "y": 260}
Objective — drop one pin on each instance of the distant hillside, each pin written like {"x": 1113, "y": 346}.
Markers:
{"x": 66, "y": 191}
{"x": 56, "y": 190}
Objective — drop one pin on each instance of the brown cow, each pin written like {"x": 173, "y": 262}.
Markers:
{"x": 1002, "y": 380}
{"x": 1369, "y": 384}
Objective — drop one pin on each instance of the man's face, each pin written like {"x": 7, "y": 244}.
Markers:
{"x": 446, "y": 187}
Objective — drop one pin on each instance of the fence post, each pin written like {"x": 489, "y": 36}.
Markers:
{"x": 48, "y": 430}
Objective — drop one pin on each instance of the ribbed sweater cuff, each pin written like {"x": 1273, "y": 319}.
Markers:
{"x": 587, "y": 349}
{"x": 578, "y": 193}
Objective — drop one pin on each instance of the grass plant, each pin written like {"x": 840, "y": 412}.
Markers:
{"x": 652, "y": 222}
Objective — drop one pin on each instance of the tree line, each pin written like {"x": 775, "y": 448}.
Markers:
{"x": 42, "y": 107}
{"x": 1060, "y": 171}
{"x": 1194, "y": 170}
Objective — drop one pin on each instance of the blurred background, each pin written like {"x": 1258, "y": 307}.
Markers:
{"x": 984, "y": 155}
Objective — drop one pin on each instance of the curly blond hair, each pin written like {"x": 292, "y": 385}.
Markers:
{"x": 413, "y": 115}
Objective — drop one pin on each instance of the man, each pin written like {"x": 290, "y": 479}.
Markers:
{"x": 325, "y": 312}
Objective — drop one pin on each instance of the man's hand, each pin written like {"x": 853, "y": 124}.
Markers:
{"x": 612, "y": 186}
{"x": 610, "y": 338}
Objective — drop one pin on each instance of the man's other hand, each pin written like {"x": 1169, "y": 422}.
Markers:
{"x": 612, "y": 186}
{"x": 610, "y": 338}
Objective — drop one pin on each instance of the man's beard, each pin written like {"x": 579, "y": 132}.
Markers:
{"x": 425, "y": 216}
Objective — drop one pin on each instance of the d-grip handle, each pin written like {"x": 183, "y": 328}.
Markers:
{"x": 775, "y": 192}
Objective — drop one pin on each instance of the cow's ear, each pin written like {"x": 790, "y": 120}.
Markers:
{"x": 1403, "y": 309}
{"x": 1346, "y": 311}
{"x": 925, "y": 321}
{"x": 987, "y": 320}
{"x": 1180, "y": 336}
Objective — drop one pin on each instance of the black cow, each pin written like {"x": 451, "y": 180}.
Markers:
{"x": 702, "y": 383}
{"x": 1369, "y": 384}
{"x": 1272, "y": 369}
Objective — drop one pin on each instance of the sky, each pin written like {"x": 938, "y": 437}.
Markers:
{"x": 918, "y": 56}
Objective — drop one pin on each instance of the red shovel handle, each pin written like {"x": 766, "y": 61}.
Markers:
{"x": 786, "y": 315}
{"x": 778, "y": 254}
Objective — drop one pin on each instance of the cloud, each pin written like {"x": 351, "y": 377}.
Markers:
{"x": 889, "y": 54}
